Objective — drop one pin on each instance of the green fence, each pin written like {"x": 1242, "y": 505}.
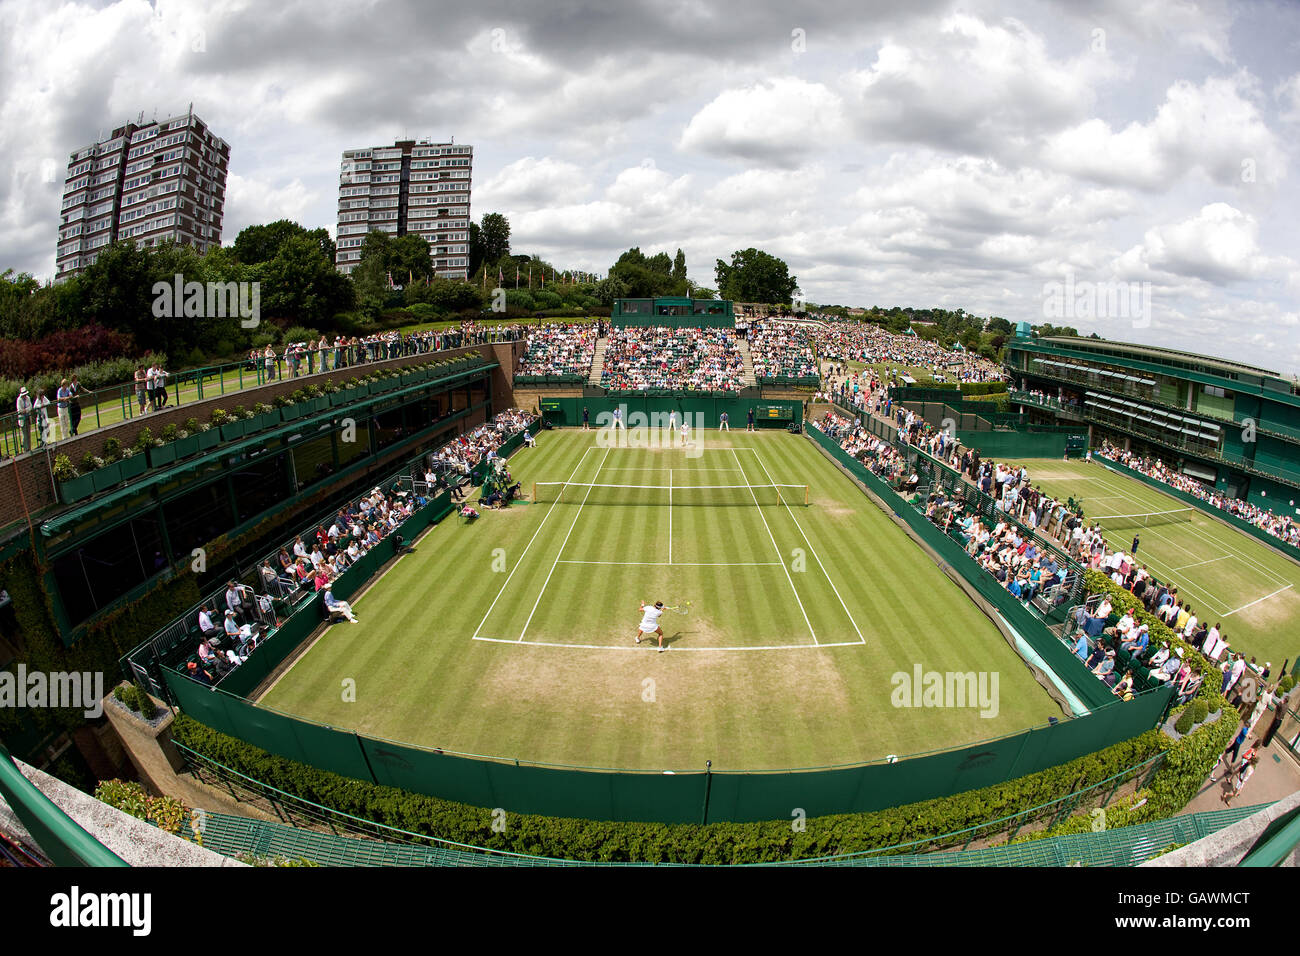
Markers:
{"x": 1240, "y": 524}
{"x": 707, "y": 406}
{"x": 1027, "y": 442}
{"x": 680, "y": 797}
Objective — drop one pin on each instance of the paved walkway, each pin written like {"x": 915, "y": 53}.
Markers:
{"x": 1277, "y": 775}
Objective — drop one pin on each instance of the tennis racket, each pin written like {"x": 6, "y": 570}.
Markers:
{"x": 682, "y": 609}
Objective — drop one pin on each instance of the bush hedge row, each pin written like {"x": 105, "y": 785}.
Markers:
{"x": 714, "y": 843}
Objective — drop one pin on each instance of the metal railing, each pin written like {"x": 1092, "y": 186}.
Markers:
{"x": 38, "y": 430}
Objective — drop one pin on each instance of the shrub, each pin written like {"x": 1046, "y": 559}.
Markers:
{"x": 298, "y": 395}
{"x": 112, "y": 450}
{"x": 144, "y": 703}
{"x": 261, "y": 408}
{"x": 1200, "y": 710}
{"x": 90, "y": 461}
{"x": 1185, "y": 720}
{"x": 299, "y": 333}
{"x": 145, "y": 439}
{"x": 169, "y": 433}
{"x": 239, "y": 413}
{"x": 681, "y": 843}
{"x": 1285, "y": 684}
{"x": 282, "y": 401}
{"x": 62, "y": 469}
{"x": 191, "y": 425}
{"x": 219, "y": 416}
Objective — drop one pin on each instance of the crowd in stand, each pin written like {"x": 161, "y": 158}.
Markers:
{"x": 314, "y": 561}
{"x": 782, "y": 349}
{"x": 678, "y": 359}
{"x": 863, "y": 342}
{"x": 1284, "y": 527}
{"x": 308, "y": 358}
{"x": 564, "y": 349}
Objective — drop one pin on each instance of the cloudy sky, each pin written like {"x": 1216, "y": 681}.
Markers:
{"x": 971, "y": 155}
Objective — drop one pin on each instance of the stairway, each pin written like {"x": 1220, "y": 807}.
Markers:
{"x": 598, "y": 362}
{"x": 749, "y": 379}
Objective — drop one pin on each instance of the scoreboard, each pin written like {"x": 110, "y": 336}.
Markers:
{"x": 774, "y": 413}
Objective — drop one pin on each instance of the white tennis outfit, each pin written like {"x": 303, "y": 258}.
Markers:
{"x": 650, "y": 619}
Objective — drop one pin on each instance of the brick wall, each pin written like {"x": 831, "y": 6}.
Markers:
{"x": 27, "y": 488}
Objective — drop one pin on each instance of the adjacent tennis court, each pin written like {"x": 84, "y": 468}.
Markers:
{"x": 514, "y": 635}
{"x": 1252, "y": 591}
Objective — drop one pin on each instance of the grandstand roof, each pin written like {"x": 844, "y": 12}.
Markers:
{"x": 1155, "y": 353}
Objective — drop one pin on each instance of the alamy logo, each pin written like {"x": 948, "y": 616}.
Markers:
{"x": 210, "y": 300}
{"x": 658, "y": 430}
{"x": 60, "y": 689}
{"x": 946, "y": 689}
{"x": 1098, "y": 300}
{"x": 73, "y": 909}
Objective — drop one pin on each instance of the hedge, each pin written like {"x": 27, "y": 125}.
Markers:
{"x": 715, "y": 843}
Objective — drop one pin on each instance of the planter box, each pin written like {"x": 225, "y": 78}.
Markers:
{"x": 77, "y": 489}
{"x": 133, "y": 467}
{"x": 338, "y": 398}
{"x": 233, "y": 430}
{"x": 260, "y": 423}
{"x": 185, "y": 447}
{"x": 162, "y": 455}
{"x": 107, "y": 477}
{"x": 317, "y": 405}
{"x": 291, "y": 413}
{"x": 208, "y": 439}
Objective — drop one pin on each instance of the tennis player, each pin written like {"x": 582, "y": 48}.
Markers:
{"x": 650, "y": 622}
{"x": 686, "y": 434}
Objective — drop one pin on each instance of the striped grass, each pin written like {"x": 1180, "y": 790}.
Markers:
{"x": 514, "y": 636}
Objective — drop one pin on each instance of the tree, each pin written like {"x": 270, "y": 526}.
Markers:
{"x": 495, "y": 235}
{"x": 261, "y": 243}
{"x": 302, "y": 286}
{"x": 679, "y": 266}
{"x": 646, "y": 277}
{"x": 755, "y": 276}
{"x": 405, "y": 258}
{"x": 607, "y": 290}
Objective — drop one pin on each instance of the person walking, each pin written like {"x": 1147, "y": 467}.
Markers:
{"x": 141, "y": 386}
{"x": 1136, "y": 541}
{"x": 1233, "y": 749}
{"x": 1240, "y": 778}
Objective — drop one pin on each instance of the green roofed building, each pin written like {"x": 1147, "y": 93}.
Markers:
{"x": 1228, "y": 424}
{"x": 674, "y": 312}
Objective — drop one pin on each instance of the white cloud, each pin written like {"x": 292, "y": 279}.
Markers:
{"x": 779, "y": 121}
{"x": 1219, "y": 244}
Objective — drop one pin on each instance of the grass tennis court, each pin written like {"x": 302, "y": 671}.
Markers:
{"x": 513, "y": 636}
{"x": 1227, "y": 576}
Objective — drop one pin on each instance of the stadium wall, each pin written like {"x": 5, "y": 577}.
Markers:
{"x": 568, "y": 411}
{"x": 1277, "y": 544}
{"x": 654, "y": 796}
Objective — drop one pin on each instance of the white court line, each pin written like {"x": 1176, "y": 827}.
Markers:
{"x": 561, "y": 551}
{"x": 1222, "y": 557}
{"x": 670, "y": 516}
{"x": 825, "y": 574}
{"x": 530, "y": 544}
{"x": 681, "y": 564}
{"x": 1264, "y": 598}
{"x": 634, "y": 647}
{"x": 777, "y": 550}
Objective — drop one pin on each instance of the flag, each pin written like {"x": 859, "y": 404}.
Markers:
{"x": 530, "y": 275}
{"x": 516, "y": 276}
{"x": 501, "y": 279}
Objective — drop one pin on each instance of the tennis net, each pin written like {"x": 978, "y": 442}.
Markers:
{"x": 598, "y": 493}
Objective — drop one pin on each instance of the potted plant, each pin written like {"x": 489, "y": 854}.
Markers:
{"x": 263, "y": 416}
{"x": 315, "y": 399}
{"x": 229, "y": 426}
{"x": 72, "y": 486}
{"x": 203, "y": 433}
{"x": 159, "y": 451}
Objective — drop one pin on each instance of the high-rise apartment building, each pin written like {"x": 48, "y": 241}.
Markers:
{"x": 409, "y": 187}
{"x": 165, "y": 179}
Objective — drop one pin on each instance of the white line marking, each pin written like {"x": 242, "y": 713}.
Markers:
{"x": 1264, "y": 598}
{"x": 777, "y": 550}
{"x": 545, "y": 519}
{"x": 680, "y": 564}
{"x": 635, "y": 647}
{"x": 670, "y": 516}
{"x": 1222, "y": 557}
{"x": 758, "y": 458}
{"x": 561, "y": 551}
